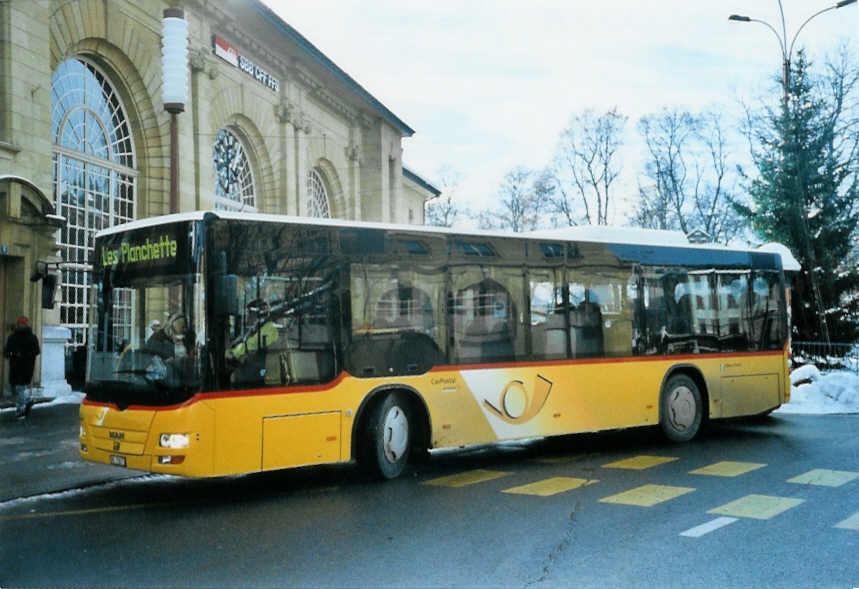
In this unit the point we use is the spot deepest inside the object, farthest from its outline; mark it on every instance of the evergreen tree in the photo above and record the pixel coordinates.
(804, 193)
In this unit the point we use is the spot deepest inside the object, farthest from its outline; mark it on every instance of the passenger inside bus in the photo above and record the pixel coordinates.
(586, 335)
(174, 340)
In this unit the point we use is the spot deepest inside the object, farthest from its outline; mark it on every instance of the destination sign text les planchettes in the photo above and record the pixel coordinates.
(129, 253)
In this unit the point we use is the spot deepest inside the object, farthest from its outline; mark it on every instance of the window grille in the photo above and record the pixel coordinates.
(317, 196)
(234, 180)
(94, 182)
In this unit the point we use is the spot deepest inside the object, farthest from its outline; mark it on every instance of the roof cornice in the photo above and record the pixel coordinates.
(316, 55)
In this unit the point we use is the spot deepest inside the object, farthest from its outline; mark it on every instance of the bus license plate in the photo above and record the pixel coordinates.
(117, 460)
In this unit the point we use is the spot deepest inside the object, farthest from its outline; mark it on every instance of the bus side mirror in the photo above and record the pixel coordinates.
(226, 299)
(49, 289)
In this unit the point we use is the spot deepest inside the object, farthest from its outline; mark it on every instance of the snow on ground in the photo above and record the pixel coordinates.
(64, 399)
(818, 392)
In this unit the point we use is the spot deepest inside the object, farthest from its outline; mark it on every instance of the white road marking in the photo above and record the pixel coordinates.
(698, 531)
(851, 523)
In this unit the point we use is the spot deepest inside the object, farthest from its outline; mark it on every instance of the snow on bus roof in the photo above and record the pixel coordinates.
(600, 234)
(625, 235)
(612, 234)
(788, 262)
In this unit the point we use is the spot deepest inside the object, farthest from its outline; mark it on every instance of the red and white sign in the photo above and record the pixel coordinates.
(231, 55)
(226, 51)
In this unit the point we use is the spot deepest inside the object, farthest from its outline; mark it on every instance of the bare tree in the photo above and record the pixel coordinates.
(579, 181)
(443, 210)
(521, 202)
(687, 183)
(663, 197)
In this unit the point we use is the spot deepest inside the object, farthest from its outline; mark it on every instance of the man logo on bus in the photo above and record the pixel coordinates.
(516, 406)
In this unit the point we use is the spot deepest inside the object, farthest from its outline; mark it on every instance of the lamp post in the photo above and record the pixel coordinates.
(787, 50)
(174, 69)
(786, 55)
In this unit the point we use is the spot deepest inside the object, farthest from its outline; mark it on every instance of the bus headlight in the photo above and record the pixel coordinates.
(173, 441)
(83, 431)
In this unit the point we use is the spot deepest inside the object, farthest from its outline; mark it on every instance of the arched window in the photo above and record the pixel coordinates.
(94, 179)
(317, 196)
(234, 180)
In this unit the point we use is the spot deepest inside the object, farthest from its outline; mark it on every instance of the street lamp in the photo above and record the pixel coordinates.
(174, 70)
(786, 54)
(787, 50)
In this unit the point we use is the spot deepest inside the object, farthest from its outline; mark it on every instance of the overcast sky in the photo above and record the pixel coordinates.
(490, 85)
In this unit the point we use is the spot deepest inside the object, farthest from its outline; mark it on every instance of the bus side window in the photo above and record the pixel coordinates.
(734, 311)
(586, 335)
(484, 320)
(602, 312)
(394, 329)
(766, 311)
(548, 317)
(285, 330)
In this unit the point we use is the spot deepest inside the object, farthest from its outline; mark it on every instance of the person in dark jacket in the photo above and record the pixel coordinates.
(22, 347)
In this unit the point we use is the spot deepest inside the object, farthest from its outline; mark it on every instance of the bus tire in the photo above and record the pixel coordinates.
(681, 408)
(388, 436)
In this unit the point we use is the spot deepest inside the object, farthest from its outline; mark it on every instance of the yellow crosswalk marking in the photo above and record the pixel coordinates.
(551, 486)
(647, 495)
(640, 462)
(851, 523)
(825, 478)
(464, 479)
(757, 506)
(728, 468)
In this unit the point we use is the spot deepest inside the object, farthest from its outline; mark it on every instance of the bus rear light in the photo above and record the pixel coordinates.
(173, 440)
(171, 459)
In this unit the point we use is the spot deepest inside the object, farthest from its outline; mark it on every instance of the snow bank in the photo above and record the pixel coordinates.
(819, 393)
(71, 398)
(804, 374)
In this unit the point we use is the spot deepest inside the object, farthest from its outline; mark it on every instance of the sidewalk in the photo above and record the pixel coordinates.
(40, 455)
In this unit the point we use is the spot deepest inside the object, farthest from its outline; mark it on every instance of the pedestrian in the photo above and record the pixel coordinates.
(22, 347)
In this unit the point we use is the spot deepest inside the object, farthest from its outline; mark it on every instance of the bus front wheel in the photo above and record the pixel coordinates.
(388, 437)
(681, 408)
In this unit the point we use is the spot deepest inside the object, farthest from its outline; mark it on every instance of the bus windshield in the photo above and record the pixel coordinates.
(147, 328)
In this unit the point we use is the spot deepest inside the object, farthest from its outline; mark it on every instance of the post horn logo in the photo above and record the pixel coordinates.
(516, 406)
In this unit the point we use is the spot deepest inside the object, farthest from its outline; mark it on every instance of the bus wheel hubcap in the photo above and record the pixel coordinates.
(681, 408)
(396, 434)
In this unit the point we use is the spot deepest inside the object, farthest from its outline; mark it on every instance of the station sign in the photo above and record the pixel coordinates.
(231, 55)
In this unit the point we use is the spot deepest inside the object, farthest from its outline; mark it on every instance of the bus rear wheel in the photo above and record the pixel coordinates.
(681, 408)
(388, 437)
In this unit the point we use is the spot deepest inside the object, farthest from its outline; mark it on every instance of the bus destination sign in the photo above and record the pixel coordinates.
(130, 253)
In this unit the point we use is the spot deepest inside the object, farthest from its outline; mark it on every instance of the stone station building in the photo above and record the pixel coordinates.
(271, 125)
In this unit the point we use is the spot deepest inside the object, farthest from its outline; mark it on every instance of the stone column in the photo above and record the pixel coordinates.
(301, 167)
(202, 72)
(354, 175)
(285, 114)
(395, 184)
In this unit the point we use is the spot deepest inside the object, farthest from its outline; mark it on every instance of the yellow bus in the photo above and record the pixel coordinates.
(225, 343)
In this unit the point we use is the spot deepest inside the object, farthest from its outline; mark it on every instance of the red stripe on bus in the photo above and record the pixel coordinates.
(441, 368)
(621, 359)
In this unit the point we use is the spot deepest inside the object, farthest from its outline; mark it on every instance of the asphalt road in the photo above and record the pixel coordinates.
(776, 505)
